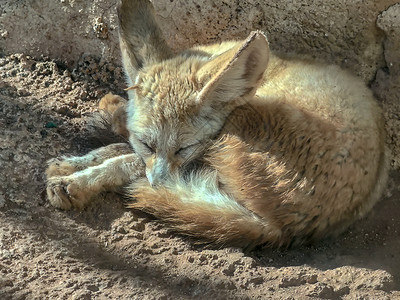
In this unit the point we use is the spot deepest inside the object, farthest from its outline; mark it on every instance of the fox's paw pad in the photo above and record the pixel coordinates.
(58, 167)
(65, 193)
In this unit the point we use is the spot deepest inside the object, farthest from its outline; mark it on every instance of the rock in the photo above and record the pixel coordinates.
(2, 200)
(387, 82)
(389, 22)
(338, 31)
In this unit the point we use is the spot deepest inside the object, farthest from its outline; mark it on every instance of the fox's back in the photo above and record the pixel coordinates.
(326, 90)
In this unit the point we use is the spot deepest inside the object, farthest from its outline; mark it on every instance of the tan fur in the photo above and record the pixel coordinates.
(116, 107)
(235, 144)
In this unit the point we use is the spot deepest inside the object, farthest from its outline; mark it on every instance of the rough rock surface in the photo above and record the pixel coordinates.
(339, 31)
(71, 59)
(387, 82)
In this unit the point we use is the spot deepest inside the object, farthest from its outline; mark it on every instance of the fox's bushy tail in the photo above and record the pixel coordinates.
(197, 207)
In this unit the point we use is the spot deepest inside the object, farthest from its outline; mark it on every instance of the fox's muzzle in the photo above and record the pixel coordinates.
(157, 172)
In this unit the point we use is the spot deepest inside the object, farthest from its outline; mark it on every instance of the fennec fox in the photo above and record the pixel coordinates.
(232, 143)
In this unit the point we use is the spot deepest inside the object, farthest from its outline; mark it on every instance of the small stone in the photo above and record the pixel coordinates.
(50, 125)
(75, 270)
(92, 288)
(229, 271)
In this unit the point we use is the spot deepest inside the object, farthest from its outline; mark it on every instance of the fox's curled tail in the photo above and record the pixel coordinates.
(198, 208)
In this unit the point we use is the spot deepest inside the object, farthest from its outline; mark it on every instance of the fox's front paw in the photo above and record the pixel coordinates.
(65, 193)
(59, 167)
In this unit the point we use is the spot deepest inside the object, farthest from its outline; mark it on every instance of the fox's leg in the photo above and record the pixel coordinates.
(77, 189)
(67, 165)
(115, 106)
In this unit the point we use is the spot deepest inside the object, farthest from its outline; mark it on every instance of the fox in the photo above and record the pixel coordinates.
(231, 143)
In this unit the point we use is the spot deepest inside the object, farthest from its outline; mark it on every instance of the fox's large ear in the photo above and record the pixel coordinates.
(140, 37)
(236, 72)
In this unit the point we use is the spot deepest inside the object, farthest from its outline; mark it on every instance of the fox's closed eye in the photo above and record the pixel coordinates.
(149, 148)
(184, 151)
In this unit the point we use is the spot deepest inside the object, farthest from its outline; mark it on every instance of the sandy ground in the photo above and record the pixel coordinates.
(109, 252)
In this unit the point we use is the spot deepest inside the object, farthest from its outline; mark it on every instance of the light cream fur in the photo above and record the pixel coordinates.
(233, 143)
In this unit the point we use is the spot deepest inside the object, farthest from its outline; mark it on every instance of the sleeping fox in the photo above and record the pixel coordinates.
(231, 143)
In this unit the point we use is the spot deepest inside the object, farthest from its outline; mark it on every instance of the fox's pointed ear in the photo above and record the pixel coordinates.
(140, 37)
(236, 72)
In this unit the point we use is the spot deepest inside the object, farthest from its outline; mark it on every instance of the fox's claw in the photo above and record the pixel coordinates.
(64, 193)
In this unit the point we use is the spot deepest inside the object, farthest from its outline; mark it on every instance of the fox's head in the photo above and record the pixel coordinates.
(178, 104)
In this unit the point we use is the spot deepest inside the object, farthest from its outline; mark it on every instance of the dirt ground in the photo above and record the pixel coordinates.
(110, 252)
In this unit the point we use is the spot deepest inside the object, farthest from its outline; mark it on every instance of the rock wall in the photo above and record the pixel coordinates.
(387, 82)
(361, 35)
(63, 30)
(338, 31)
